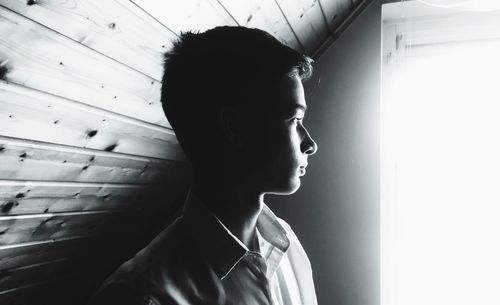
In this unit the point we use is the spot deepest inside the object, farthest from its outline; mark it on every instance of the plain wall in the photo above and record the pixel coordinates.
(336, 212)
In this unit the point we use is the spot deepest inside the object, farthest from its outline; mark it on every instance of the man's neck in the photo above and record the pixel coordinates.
(237, 209)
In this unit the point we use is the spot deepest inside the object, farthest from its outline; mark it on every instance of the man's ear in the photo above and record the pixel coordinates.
(230, 123)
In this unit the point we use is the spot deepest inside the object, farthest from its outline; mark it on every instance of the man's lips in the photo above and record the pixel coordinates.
(302, 169)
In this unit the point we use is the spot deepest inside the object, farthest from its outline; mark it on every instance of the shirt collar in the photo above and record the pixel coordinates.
(218, 245)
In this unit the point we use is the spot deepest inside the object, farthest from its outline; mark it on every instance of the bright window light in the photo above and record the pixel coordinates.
(477, 5)
(440, 156)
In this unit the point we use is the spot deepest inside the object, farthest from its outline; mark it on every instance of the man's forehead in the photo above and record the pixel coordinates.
(288, 95)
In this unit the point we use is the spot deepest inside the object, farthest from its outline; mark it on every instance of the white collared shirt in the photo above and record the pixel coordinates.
(197, 260)
(288, 270)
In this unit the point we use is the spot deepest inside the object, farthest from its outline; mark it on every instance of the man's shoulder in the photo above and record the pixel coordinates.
(132, 282)
(168, 252)
(160, 270)
(123, 293)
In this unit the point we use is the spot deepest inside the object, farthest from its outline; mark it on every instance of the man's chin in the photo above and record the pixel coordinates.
(288, 188)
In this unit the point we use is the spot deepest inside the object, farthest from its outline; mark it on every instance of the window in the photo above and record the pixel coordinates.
(440, 156)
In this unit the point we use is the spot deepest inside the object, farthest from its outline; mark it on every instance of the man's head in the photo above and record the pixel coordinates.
(230, 94)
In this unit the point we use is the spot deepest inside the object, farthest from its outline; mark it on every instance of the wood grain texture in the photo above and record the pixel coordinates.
(117, 29)
(35, 197)
(37, 57)
(187, 15)
(37, 227)
(37, 252)
(72, 288)
(35, 160)
(107, 247)
(24, 269)
(100, 254)
(336, 11)
(20, 276)
(34, 115)
(306, 19)
(89, 260)
(264, 15)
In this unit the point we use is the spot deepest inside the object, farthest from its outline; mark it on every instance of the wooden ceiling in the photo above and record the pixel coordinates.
(304, 25)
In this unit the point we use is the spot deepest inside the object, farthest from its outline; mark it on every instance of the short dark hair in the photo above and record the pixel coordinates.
(221, 67)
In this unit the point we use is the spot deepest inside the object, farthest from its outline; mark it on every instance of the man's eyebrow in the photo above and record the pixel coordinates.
(292, 109)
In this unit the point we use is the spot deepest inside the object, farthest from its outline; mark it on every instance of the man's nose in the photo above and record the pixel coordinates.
(308, 145)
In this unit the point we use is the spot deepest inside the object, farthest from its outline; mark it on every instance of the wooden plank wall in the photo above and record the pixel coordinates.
(86, 154)
(90, 168)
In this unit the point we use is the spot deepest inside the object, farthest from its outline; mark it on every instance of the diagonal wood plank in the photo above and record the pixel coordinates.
(336, 11)
(264, 15)
(38, 252)
(187, 15)
(307, 21)
(35, 197)
(37, 57)
(20, 276)
(37, 227)
(116, 28)
(35, 115)
(34, 160)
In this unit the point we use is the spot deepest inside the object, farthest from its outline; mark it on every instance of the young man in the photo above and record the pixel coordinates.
(234, 97)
